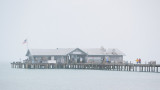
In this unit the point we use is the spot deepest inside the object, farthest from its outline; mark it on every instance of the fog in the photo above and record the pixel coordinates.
(132, 26)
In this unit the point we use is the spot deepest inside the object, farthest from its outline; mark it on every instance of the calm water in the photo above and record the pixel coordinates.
(60, 79)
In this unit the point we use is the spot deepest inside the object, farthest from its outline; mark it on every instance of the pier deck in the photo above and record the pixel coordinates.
(113, 67)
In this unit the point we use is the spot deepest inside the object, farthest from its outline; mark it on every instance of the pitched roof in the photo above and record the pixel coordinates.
(58, 51)
(65, 51)
(94, 51)
(114, 51)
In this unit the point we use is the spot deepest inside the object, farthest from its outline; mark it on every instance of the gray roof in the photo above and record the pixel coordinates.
(94, 51)
(65, 51)
(59, 51)
(114, 51)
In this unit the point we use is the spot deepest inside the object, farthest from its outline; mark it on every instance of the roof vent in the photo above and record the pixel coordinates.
(103, 49)
(114, 52)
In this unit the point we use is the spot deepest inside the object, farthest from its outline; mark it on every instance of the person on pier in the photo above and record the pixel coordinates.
(137, 60)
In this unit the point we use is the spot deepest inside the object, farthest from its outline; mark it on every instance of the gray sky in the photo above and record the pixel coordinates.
(133, 26)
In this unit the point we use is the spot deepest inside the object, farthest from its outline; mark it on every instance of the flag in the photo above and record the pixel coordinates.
(25, 41)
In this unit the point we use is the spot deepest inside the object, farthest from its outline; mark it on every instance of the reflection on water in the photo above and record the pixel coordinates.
(65, 79)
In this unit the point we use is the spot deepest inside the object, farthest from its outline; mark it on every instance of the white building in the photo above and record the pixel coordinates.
(74, 55)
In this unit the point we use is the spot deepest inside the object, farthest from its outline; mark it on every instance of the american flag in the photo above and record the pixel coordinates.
(25, 41)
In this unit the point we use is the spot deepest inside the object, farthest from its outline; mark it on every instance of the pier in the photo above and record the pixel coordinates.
(109, 67)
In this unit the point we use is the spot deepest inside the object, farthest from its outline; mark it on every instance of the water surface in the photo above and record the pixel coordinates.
(70, 79)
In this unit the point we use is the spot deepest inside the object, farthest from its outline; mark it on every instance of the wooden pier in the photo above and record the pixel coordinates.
(110, 67)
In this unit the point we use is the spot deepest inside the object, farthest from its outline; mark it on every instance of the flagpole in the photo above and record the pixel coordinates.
(27, 45)
(26, 42)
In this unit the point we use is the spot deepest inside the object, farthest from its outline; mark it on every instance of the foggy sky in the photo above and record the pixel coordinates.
(132, 26)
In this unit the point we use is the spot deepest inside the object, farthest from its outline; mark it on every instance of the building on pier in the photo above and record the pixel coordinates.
(74, 55)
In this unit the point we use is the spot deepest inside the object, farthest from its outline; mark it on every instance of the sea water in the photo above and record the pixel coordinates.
(72, 79)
